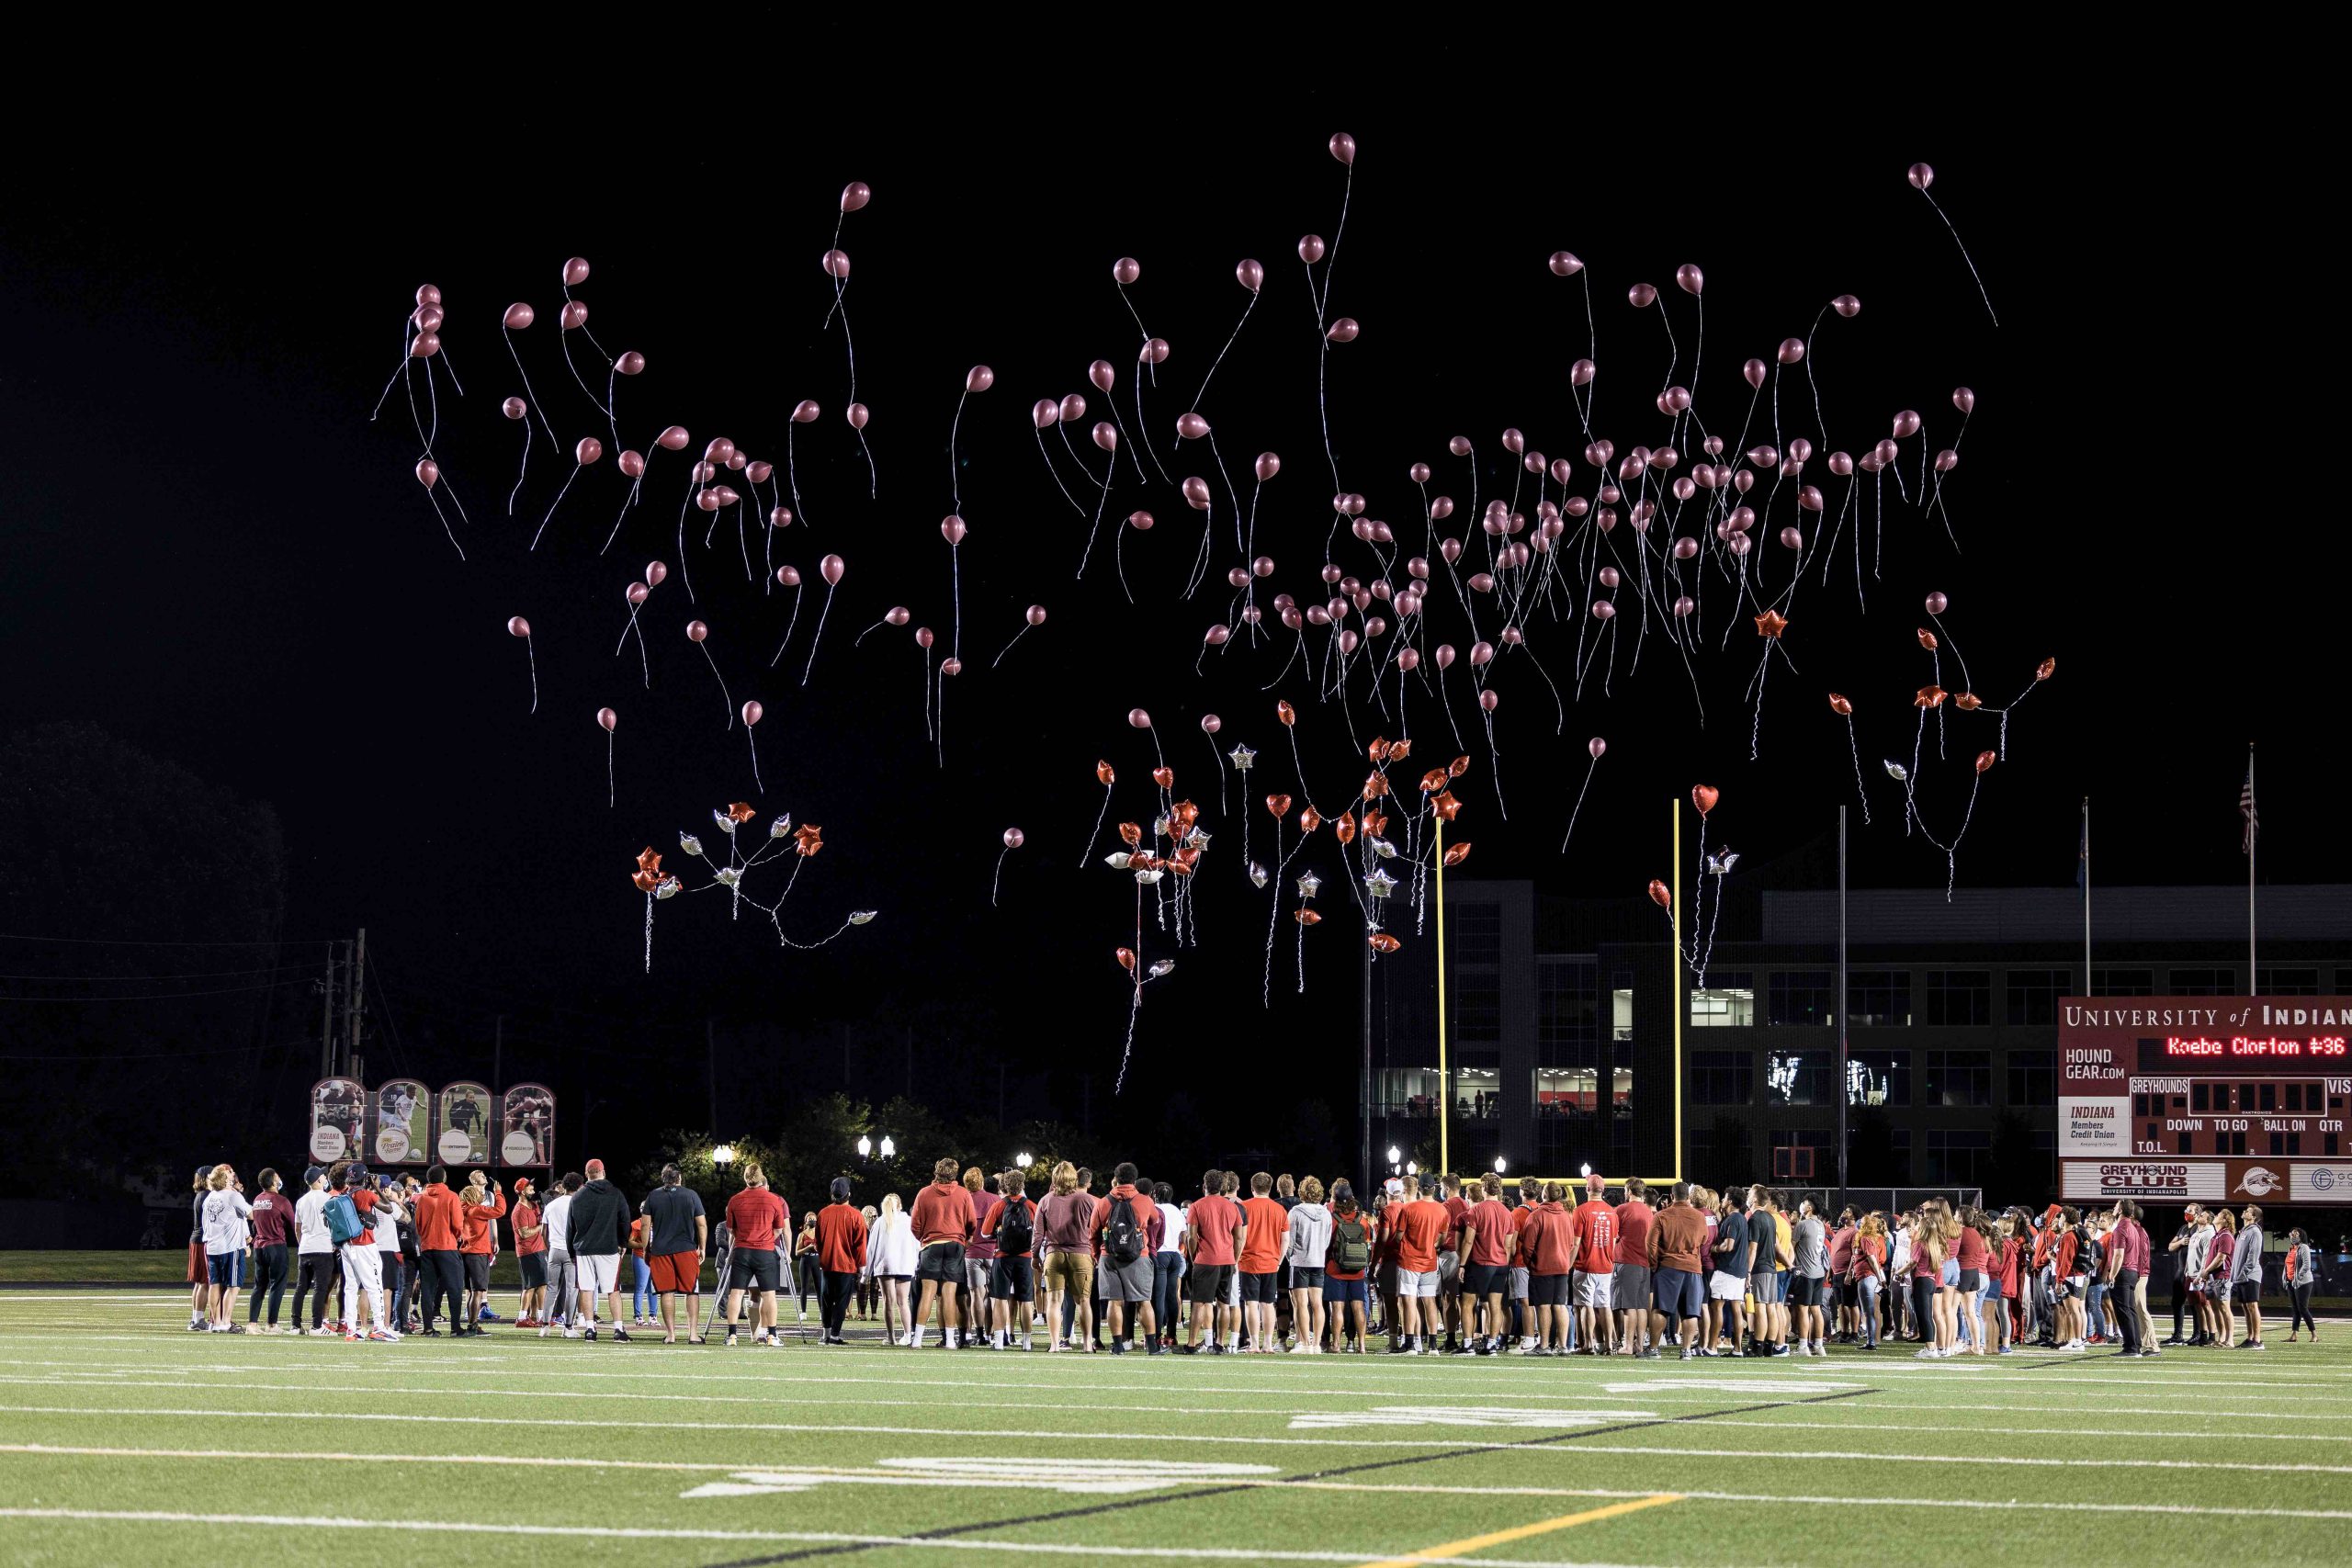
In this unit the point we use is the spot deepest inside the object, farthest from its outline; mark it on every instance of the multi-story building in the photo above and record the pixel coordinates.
(1562, 1043)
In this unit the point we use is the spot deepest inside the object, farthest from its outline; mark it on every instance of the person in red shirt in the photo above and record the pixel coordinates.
(1450, 1258)
(1261, 1261)
(530, 1253)
(1530, 1198)
(1487, 1236)
(1013, 1281)
(942, 1222)
(979, 1260)
(440, 1225)
(480, 1206)
(1548, 1244)
(841, 1254)
(1215, 1233)
(1596, 1225)
(1638, 1327)
(1126, 1226)
(1420, 1224)
(754, 1218)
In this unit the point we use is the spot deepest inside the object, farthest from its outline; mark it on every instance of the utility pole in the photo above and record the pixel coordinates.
(498, 1056)
(710, 1055)
(1844, 1095)
(354, 1065)
(1363, 1079)
(326, 1017)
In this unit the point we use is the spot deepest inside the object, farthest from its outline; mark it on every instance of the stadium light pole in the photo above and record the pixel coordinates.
(1844, 1093)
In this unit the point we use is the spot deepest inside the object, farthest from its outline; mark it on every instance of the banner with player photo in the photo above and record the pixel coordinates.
(400, 1116)
(527, 1122)
(338, 1116)
(462, 1123)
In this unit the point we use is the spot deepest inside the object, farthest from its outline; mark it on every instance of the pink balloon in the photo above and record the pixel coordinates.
(858, 415)
(1106, 435)
(788, 576)
(1937, 603)
(1921, 176)
(428, 472)
(1610, 577)
(427, 295)
(1791, 350)
(575, 272)
(637, 593)
(1809, 498)
(1154, 351)
(1344, 329)
(514, 408)
(574, 316)
(1907, 424)
(1641, 296)
(1841, 463)
(1191, 426)
(1262, 567)
(1102, 375)
(1418, 473)
(655, 574)
(1140, 521)
(1138, 719)
(1249, 273)
(1947, 460)
(923, 637)
(805, 412)
(1793, 537)
(1012, 839)
(423, 346)
(519, 315)
(1310, 249)
(897, 616)
(753, 712)
(1348, 641)
(1685, 548)
(517, 626)
(1344, 148)
(1884, 452)
(1216, 635)
(708, 499)
(1846, 306)
(1036, 614)
(608, 718)
(1127, 269)
(951, 529)
(1268, 465)
(673, 439)
(630, 364)
(1739, 543)
(832, 566)
(1582, 372)
(1445, 656)
(697, 631)
(780, 518)
(836, 264)
(632, 464)
(1683, 605)
(1044, 412)
(1566, 263)
(1964, 400)
(718, 449)
(979, 379)
(1481, 655)
(1072, 409)
(1689, 278)
(1513, 441)
(1196, 492)
(1490, 700)
(1408, 658)
(1595, 746)
(588, 451)
(855, 195)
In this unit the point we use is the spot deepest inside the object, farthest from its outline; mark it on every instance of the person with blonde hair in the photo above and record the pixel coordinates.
(1065, 1235)
(1305, 1242)
(1869, 1269)
(226, 1220)
(890, 1259)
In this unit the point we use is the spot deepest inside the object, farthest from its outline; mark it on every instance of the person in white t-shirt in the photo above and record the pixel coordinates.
(1168, 1264)
(563, 1276)
(314, 1251)
(228, 1226)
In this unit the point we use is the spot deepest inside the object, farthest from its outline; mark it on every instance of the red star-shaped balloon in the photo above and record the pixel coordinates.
(1771, 624)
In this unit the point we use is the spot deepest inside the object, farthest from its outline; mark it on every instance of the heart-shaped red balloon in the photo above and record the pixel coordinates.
(1705, 797)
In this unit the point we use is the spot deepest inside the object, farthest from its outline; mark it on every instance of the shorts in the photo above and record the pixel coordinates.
(2246, 1292)
(1013, 1280)
(1592, 1290)
(1387, 1278)
(1678, 1293)
(1302, 1277)
(1486, 1278)
(534, 1269)
(200, 1263)
(1072, 1272)
(1337, 1290)
(1547, 1291)
(477, 1266)
(675, 1273)
(1723, 1287)
(1951, 1274)
(1259, 1288)
(942, 1261)
(1448, 1270)
(1970, 1281)
(1631, 1284)
(2078, 1285)
(1519, 1284)
(2218, 1290)
(1769, 1286)
(600, 1273)
(1206, 1284)
(1411, 1282)
(1805, 1291)
(1126, 1281)
(225, 1269)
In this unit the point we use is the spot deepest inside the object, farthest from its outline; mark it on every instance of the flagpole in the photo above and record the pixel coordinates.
(2087, 896)
(2251, 834)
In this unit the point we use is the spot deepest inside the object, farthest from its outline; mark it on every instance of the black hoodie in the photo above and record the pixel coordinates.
(598, 1221)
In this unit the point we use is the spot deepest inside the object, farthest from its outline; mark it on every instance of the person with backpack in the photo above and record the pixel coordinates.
(2297, 1270)
(841, 1254)
(440, 1226)
(1124, 1244)
(1347, 1260)
(352, 1200)
(1012, 1226)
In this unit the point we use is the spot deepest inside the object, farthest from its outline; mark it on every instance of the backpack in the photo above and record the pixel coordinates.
(343, 1220)
(1351, 1251)
(1015, 1231)
(1121, 1238)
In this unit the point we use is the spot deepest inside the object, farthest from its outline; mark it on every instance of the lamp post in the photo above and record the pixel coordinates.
(865, 1147)
(1395, 1159)
(1021, 1163)
(1499, 1165)
(722, 1156)
(889, 1149)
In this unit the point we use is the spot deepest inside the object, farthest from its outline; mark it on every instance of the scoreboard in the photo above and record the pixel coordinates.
(2217, 1100)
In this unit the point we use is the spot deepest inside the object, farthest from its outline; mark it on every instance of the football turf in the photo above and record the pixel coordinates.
(124, 1437)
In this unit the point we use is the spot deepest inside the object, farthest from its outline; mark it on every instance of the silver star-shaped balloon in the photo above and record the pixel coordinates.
(1721, 863)
(1197, 838)
(1382, 847)
(1242, 757)
(860, 916)
(669, 888)
(1159, 827)
(1116, 859)
(781, 826)
(1896, 771)
(689, 843)
(727, 876)
(1160, 967)
(726, 823)
(1256, 875)
(1381, 883)
(1309, 885)
(1149, 879)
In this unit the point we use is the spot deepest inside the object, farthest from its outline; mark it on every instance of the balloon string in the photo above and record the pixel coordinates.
(817, 637)
(552, 505)
(436, 504)
(788, 630)
(1199, 396)
(751, 736)
(612, 795)
(524, 471)
(999, 876)
(928, 732)
(792, 473)
(1049, 459)
(685, 568)
(531, 655)
(1273, 909)
(1592, 768)
(742, 545)
(1139, 423)
(649, 933)
(532, 395)
(612, 421)
(565, 339)
(1008, 646)
(408, 329)
(1098, 818)
(955, 470)
(1218, 758)
(723, 696)
(1963, 255)
(942, 711)
(1861, 792)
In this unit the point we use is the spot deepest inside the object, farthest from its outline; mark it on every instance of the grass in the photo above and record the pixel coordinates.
(511, 1449)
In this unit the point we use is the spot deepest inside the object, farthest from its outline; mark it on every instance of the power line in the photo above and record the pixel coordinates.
(143, 942)
(135, 1055)
(189, 974)
(164, 995)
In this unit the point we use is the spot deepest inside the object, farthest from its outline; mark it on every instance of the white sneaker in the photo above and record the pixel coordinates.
(572, 1334)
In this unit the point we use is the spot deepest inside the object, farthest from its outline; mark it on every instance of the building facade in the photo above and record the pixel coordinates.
(1561, 1040)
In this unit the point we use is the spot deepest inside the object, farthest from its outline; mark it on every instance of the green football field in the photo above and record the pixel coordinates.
(125, 1438)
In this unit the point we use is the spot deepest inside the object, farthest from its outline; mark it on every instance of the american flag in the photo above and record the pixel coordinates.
(2246, 806)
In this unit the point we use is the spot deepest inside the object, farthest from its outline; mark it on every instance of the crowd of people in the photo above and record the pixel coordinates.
(1466, 1267)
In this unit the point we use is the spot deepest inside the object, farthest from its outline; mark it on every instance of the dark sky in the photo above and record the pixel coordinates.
(215, 553)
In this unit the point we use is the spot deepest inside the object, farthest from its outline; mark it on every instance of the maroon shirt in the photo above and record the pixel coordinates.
(273, 1220)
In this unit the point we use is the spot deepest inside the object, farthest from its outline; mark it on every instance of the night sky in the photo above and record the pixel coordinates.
(214, 553)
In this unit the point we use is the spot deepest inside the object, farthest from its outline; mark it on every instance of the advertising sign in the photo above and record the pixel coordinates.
(462, 1123)
(399, 1123)
(338, 1114)
(526, 1124)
